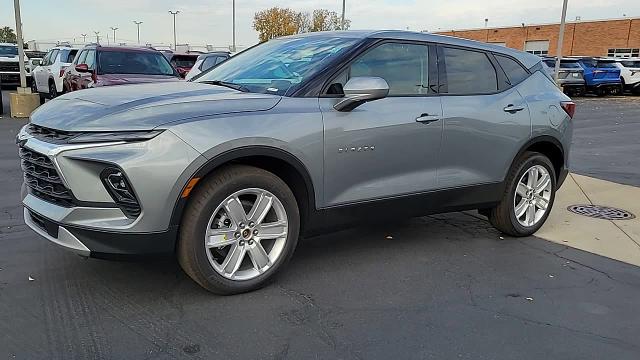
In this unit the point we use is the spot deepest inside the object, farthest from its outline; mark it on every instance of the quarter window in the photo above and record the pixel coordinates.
(82, 57)
(469, 72)
(515, 72)
(90, 60)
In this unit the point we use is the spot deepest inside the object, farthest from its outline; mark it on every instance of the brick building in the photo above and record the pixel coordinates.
(616, 37)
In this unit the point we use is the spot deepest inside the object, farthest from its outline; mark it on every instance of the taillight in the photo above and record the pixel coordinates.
(569, 107)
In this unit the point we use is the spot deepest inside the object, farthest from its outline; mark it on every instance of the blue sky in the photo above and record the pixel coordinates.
(209, 21)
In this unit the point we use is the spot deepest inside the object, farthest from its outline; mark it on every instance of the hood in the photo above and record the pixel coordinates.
(124, 79)
(145, 106)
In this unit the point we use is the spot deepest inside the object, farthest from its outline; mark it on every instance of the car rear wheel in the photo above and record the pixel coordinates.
(240, 227)
(53, 91)
(528, 197)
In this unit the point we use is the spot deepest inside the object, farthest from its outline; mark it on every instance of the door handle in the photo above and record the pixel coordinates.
(427, 119)
(513, 109)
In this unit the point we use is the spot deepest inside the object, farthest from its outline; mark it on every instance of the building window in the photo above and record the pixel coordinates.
(623, 53)
(537, 47)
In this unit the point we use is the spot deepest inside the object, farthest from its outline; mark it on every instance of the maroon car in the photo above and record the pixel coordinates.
(182, 62)
(97, 65)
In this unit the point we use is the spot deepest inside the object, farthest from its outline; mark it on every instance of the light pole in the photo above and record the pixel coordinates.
(175, 42)
(114, 33)
(233, 45)
(97, 36)
(23, 74)
(343, 11)
(84, 38)
(138, 25)
(560, 39)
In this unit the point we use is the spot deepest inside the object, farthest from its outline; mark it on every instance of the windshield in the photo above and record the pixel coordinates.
(570, 65)
(133, 62)
(607, 65)
(631, 64)
(8, 50)
(278, 65)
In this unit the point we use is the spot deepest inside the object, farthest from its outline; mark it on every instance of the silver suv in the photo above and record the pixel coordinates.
(292, 137)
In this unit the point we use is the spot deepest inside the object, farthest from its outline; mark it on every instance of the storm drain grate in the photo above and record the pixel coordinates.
(601, 212)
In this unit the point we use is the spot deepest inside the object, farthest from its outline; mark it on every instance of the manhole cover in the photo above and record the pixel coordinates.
(601, 212)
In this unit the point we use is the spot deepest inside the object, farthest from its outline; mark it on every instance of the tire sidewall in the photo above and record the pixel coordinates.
(193, 238)
(536, 159)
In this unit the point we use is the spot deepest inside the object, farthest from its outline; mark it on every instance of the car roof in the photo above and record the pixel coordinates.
(525, 58)
(120, 48)
(213, 53)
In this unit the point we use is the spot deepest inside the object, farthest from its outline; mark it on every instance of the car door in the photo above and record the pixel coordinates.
(486, 120)
(381, 149)
(73, 75)
(40, 74)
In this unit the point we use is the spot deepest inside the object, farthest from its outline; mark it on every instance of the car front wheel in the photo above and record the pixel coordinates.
(528, 197)
(240, 227)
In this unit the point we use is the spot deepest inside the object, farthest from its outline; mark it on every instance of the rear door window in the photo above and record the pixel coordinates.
(82, 57)
(54, 55)
(469, 72)
(515, 72)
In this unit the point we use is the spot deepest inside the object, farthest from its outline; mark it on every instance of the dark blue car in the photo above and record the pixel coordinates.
(602, 76)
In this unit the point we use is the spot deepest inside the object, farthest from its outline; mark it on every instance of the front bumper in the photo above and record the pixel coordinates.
(93, 224)
(12, 78)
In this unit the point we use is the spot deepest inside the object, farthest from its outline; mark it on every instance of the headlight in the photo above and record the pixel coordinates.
(129, 136)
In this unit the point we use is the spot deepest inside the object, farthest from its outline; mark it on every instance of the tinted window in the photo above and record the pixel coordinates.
(606, 65)
(208, 63)
(469, 72)
(54, 55)
(570, 65)
(82, 57)
(631, 64)
(8, 50)
(69, 56)
(183, 61)
(221, 59)
(403, 66)
(515, 72)
(133, 62)
(90, 60)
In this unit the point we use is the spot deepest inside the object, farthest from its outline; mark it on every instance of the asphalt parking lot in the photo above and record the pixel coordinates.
(438, 287)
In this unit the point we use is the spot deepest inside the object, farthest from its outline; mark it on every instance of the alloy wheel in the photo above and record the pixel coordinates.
(246, 234)
(532, 196)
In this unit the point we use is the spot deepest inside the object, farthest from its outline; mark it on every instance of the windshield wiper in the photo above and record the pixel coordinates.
(228, 84)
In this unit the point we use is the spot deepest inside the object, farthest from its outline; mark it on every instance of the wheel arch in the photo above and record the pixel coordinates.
(277, 161)
(548, 146)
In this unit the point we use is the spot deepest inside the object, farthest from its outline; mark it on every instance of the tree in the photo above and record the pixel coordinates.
(325, 20)
(275, 22)
(7, 35)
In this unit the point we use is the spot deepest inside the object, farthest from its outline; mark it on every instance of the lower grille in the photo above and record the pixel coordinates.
(42, 178)
(44, 224)
(9, 66)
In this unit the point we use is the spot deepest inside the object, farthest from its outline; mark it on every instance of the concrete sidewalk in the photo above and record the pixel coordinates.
(619, 240)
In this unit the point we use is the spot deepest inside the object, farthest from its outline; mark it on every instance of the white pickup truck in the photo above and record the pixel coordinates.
(10, 65)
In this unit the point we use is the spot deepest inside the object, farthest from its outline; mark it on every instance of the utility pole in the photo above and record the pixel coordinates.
(138, 25)
(84, 38)
(560, 40)
(97, 36)
(343, 11)
(486, 23)
(23, 74)
(175, 41)
(114, 33)
(233, 46)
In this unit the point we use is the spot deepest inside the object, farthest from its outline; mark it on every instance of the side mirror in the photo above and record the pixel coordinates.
(359, 90)
(82, 68)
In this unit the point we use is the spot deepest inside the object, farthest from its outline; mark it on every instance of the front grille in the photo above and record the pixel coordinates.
(49, 135)
(9, 66)
(42, 178)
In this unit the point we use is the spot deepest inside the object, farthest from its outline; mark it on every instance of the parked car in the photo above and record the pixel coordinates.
(10, 65)
(206, 62)
(570, 75)
(629, 73)
(229, 170)
(97, 66)
(182, 62)
(48, 77)
(601, 76)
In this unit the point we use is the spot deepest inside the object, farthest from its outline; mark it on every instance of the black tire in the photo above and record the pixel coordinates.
(213, 190)
(53, 90)
(503, 217)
